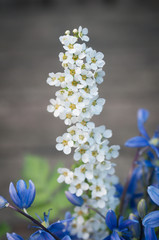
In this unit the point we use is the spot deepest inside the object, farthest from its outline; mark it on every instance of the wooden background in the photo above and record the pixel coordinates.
(127, 32)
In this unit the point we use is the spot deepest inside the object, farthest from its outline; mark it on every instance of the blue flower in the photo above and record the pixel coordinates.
(23, 197)
(14, 236)
(59, 228)
(77, 201)
(119, 228)
(152, 219)
(3, 202)
(144, 140)
(42, 235)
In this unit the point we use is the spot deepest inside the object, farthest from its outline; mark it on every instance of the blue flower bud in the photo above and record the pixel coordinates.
(13, 236)
(3, 202)
(77, 201)
(23, 197)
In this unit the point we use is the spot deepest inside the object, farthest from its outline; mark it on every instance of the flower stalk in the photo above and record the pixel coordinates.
(32, 219)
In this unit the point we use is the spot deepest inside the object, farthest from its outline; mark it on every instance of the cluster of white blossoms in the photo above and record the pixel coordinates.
(93, 176)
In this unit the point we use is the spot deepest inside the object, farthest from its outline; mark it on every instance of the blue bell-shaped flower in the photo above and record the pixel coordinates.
(23, 197)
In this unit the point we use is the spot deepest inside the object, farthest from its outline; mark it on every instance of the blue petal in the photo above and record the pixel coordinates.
(115, 236)
(13, 194)
(154, 194)
(150, 155)
(107, 238)
(31, 194)
(66, 238)
(3, 202)
(150, 234)
(147, 163)
(67, 217)
(13, 236)
(125, 223)
(77, 201)
(22, 192)
(142, 117)
(137, 142)
(111, 220)
(58, 229)
(151, 220)
(156, 149)
(156, 134)
(41, 235)
(119, 190)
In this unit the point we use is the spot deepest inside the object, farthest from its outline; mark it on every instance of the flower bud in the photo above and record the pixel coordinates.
(77, 201)
(3, 202)
(67, 32)
(75, 31)
(135, 228)
(141, 208)
(22, 196)
(13, 236)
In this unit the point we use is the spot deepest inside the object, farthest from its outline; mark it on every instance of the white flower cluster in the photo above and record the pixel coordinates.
(76, 102)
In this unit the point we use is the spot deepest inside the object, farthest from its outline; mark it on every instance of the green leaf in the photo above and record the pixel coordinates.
(4, 227)
(49, 193)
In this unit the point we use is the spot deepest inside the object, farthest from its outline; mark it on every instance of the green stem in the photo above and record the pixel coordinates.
(95, 210)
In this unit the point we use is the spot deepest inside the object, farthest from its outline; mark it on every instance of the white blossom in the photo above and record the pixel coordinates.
(82, 33)
(64, 143)
(77, 101)
(65, 175)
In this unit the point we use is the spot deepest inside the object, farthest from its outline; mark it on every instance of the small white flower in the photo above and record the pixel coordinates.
(67, 39)
(65, 175)
(84, 171)
(113, 152)
(80, 211)
(69, 44)
(86, 78)
(85, 126)
(103, 166)
(94, 58)
(56, 107)
(96, 154)
(78, 188)
(82, 153)
(72, 131)
(82, 33)
(57, 79)
(75, 225)
(64, 143)
(97, 105)
(98, 75)
(81, 137)
(67, 116)
(98, 190)
(66, 58)
(89, 91)
(100, 135)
